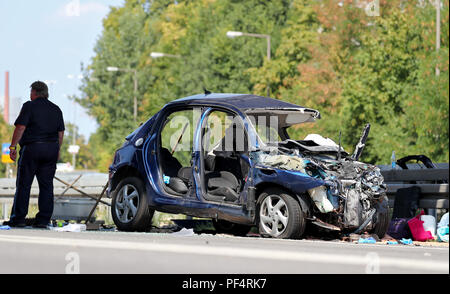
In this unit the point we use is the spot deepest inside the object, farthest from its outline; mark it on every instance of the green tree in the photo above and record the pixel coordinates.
(388, 80)
(328, 55)
(85, 159)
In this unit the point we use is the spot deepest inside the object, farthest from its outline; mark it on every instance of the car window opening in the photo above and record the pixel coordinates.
(224, 141)
(175, 151)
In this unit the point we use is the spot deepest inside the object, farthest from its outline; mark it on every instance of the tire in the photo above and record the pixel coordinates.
(270, 223)
(226, 227)
(132, 214)
(382, 218)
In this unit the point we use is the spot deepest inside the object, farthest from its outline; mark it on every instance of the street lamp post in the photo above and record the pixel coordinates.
(134, 71)
(233, 34)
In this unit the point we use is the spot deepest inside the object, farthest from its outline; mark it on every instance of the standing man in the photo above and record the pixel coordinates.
(39, 132)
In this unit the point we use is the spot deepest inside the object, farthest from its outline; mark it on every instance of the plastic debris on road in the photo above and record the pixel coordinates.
(406, 241)
(76, 228)
(429, 224)
(369, 240)
(392, 243)
(444, 221)
(442, 231)
(5, 227)
(442, 234)
(184, 232)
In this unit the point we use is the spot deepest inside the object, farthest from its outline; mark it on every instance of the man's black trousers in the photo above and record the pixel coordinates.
(36, 159)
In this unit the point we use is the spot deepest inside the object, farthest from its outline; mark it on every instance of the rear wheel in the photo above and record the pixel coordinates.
(225, 227)
(279, 215)
(129, 206)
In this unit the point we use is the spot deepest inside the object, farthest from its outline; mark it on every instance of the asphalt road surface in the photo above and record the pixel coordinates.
(43, 251)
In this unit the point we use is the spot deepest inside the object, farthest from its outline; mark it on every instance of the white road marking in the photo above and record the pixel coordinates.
(289, 255)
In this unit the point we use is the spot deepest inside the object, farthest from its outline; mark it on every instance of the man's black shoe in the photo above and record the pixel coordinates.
(40, 226)
(14, 224)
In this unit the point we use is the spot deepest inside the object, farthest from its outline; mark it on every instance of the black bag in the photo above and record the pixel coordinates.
(398, 229)
(406, 202)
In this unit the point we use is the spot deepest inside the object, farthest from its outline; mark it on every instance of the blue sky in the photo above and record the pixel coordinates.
(48, 40)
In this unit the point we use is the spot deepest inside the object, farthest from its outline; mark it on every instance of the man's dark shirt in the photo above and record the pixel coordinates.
(43, 120)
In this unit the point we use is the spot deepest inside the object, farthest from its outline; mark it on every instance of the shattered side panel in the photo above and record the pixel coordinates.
(282, 169)
(292, 180)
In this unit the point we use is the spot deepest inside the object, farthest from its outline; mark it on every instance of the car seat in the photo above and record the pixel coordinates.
(222, 183)
(223, 168)
(172, 168)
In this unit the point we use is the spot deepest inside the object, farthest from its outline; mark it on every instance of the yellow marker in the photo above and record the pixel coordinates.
(6, 159)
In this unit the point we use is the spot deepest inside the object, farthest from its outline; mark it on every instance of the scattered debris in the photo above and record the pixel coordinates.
(184, 232)
(204, 226)
(388, 238)
(369, 240)
(92, 226)
(429, 224)
(375, 236)
(442, 231)
(76, 228)
(406, 241)
(354, 237)
(324, 225)
(5, 227)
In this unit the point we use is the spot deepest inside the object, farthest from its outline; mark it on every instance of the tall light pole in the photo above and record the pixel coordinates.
(233, 34)
(134, 71)
(74, 127)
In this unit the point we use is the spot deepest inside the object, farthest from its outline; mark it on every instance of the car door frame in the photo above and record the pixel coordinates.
(227, 211)
(159, 198)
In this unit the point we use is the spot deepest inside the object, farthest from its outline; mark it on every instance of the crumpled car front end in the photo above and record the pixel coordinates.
(346, 195)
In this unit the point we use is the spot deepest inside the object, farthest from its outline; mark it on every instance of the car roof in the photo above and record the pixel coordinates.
(243, 102)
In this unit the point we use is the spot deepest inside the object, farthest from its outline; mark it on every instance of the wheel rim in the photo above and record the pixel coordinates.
(127, 203)
(274, 215)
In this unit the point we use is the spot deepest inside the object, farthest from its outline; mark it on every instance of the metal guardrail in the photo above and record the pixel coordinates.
(432, 182)
(76, 196)
(75, 189)
(90, 183)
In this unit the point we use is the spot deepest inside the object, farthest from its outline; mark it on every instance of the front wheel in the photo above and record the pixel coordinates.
(382, 218)
(279, 215)
(129, 206)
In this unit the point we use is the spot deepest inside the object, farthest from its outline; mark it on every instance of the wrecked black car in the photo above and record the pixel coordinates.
(229, 157)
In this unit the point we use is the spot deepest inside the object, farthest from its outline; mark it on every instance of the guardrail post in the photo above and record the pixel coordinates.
(5, 211)
(433, 212)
